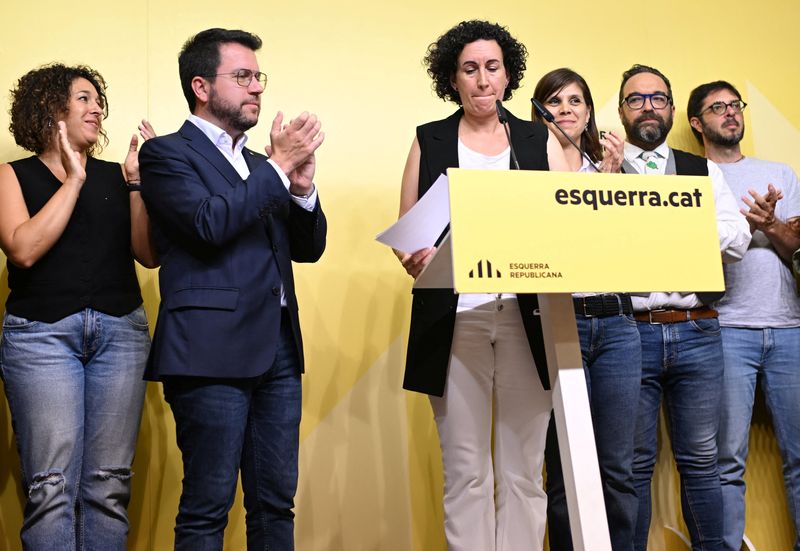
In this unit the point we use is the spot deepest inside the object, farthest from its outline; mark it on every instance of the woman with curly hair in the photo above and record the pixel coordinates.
(75, 337)
(474, 354)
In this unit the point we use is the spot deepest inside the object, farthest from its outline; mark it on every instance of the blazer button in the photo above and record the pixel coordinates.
(276, 291)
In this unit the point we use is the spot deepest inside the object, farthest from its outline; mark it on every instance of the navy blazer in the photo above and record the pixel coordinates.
(226, 246)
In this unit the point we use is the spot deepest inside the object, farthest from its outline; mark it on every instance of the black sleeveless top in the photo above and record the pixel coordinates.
(91, 265)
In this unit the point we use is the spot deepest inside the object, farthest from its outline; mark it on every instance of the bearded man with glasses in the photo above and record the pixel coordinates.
(228, 223)
(760, 312)
(681, 344)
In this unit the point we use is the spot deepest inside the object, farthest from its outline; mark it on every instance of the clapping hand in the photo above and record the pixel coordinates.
(70, 159)
(613, 152)
(292, 148)
(761, 215)
(131, 163)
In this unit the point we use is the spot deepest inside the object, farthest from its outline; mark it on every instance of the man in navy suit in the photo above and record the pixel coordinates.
(228, 223)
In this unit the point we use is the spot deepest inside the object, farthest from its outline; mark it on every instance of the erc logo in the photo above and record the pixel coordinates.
(484, 270)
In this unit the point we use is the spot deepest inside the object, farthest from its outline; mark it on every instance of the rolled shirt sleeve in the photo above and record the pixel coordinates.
(732, 226)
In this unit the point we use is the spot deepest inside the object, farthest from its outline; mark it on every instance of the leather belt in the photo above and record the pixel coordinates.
(675, 316)
(599, 306)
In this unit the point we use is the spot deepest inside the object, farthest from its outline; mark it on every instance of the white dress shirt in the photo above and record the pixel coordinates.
(233, 153)
(732, 227)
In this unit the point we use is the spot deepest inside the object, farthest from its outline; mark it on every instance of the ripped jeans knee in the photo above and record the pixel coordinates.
(53, 477)
(108, 489)
(117, 473)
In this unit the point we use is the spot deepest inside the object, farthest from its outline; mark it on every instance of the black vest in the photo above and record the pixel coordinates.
(91, 265)
(433, 311)
(687, 164)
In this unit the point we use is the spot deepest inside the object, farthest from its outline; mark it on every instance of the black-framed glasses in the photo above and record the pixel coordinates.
(720, 107)
(637, 101)
(244, 77)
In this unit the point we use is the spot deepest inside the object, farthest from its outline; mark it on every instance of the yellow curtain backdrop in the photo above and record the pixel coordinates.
(370, 464)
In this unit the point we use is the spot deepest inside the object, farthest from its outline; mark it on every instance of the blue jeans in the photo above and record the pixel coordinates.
(612, 362)
(224, 425)
(683, 363)
(775, 355)
(75, 390)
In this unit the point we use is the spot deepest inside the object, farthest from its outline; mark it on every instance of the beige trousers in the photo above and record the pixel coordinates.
(493, 501)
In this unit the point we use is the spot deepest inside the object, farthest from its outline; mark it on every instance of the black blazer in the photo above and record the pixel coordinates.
(226, 247)
(433, 311)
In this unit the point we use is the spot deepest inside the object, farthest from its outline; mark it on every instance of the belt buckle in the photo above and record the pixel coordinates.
(650, 315)
(584, 313)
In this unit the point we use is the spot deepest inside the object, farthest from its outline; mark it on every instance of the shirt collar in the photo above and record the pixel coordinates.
(218, 136)
(632, 152)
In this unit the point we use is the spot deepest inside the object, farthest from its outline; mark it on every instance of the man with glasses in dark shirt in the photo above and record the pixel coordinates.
(760, 312)
(681, 344)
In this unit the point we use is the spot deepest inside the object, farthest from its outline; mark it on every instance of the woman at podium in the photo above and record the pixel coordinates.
(610, 343)
(474, 354)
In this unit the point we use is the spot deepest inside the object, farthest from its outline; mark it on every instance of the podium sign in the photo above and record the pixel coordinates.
(557, 232)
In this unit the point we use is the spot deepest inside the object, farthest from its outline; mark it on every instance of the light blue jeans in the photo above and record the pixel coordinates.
(75, 390)
(682, 365)
(773, 354)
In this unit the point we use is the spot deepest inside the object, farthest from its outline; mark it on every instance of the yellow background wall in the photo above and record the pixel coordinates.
(370, 465)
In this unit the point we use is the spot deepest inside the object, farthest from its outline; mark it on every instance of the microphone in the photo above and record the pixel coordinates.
(502, 116)
(548, 116)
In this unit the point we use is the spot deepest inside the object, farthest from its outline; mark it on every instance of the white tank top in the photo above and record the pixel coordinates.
(467, 158)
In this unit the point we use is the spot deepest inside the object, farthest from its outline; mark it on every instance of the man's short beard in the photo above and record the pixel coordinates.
(229, 113)
(652, 134)
(649, 135)
(723, 140)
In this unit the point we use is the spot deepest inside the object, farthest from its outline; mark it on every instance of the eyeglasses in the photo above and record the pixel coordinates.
(244, 77)
(720, 107)
(637, 101)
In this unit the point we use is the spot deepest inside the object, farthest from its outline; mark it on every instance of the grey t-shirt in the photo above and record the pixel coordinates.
(760, 289)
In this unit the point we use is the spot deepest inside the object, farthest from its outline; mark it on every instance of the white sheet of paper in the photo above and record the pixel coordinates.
(423, 223)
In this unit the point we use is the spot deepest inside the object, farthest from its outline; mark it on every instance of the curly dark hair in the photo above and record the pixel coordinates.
(555, 81)
(41, 96)
(442, 56)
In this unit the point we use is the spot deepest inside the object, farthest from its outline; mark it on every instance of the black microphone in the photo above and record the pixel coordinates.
(548, 116)
(503, 117)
